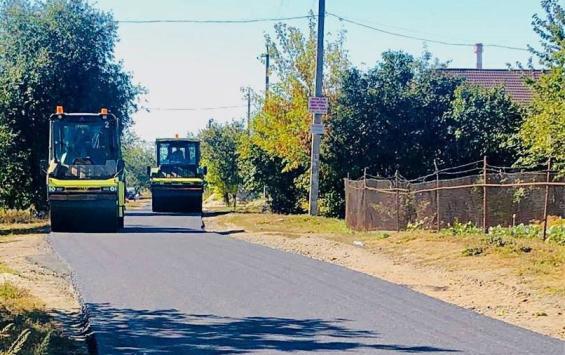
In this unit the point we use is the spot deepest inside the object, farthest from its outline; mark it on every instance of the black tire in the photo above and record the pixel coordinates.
(121, 222)
(57, 223)
(198, 205)
(155, 206)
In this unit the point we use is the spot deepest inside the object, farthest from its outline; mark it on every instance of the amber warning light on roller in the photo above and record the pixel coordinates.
(59, 110)
(103, 111)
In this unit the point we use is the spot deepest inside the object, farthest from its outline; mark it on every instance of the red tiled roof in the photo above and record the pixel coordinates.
(511, 80)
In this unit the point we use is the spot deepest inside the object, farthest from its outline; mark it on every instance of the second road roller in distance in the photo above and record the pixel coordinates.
(85, 175)
(177, 183)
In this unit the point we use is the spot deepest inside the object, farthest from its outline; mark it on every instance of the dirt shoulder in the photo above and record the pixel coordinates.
(519, 282)
(37, 295)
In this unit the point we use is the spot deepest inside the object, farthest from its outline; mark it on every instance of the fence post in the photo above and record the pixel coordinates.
(485, 205)
(396, 179)
(547, 180)
(437, 196)
(365, 204)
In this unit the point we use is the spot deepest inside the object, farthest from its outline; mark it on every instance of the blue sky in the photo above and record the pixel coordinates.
(205, 65)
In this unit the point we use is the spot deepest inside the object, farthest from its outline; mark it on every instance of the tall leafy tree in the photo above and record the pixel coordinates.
(482, 121)
(262, 172)
(281, 129)
(219, 146)
(402, 115)
(543, 132)
(551, 31)
(53, 52)
(138, 155)
(390, 117)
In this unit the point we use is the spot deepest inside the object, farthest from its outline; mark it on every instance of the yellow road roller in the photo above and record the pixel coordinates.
(177, 183)
(85, 173)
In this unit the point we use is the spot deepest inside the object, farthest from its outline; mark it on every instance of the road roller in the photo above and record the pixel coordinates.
(85, 173)
(177, 183)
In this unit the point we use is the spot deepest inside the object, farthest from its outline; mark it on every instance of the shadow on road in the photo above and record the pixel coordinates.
(174, 230)
(169, 331)
(141, 213)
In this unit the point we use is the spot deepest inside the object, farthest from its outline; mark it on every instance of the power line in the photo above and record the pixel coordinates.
(253, 20)
(339, 17)
(461, 44)
(194, 108)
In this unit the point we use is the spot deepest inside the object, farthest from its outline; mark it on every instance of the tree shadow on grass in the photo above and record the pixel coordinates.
(169, 331)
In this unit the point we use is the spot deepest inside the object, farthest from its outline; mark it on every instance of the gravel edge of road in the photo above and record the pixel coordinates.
(85, 328)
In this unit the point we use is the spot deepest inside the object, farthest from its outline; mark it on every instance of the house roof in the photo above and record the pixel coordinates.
(513, 81)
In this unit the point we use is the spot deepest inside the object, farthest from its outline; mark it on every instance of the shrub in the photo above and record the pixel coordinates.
(459, 228)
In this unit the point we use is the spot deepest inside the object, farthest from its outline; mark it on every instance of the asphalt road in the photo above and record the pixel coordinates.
(165, 286)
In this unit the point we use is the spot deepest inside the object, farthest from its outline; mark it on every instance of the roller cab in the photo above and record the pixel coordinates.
(177, 183)
(85, 177)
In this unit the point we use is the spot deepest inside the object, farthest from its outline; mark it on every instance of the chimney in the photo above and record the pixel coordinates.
(479, 52)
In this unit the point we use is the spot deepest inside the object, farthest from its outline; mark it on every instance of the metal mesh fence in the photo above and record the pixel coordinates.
(506, 197)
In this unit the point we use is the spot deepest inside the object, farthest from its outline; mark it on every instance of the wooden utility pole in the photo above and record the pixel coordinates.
(317, 137)
(249, 110)
(485, 202)
(547, 180)
(438, 221)
(397, 187)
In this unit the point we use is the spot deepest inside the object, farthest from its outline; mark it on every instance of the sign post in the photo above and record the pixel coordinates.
(319, 106)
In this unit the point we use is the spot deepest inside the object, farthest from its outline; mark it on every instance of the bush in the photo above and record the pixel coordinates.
(459, 228)
(519, 231)
(556, 234)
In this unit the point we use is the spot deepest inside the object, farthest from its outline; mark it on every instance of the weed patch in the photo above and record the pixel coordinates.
(461, 229)
(473, 251)
(25, 328)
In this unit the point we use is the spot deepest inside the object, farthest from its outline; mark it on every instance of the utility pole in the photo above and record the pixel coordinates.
(316, 136)
(267, 64)
(248, 110)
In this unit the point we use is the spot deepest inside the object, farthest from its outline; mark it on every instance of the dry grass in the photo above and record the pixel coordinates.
(21, 222)
(16, 216)
(5, 269)
(25, 327)
(136, 204)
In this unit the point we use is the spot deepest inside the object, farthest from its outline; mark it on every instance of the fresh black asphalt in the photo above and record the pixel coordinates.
(164, 285)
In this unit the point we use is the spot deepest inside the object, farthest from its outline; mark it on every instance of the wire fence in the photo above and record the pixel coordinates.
(482, 194)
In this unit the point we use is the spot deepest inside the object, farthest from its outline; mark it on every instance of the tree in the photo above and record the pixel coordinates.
(219, 147)
(483, 121)
(403, 115)
(263, 172)
(53, 52)
(138, 155)
(551, 31)
(281, 129)
(543, 132)
(390, 117)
